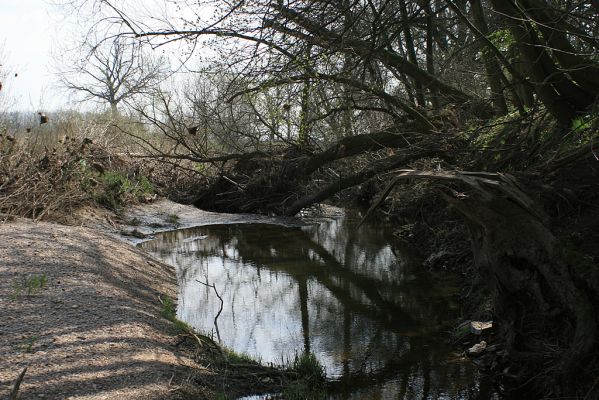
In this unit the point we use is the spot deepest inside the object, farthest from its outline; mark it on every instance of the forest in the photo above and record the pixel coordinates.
(469, 125)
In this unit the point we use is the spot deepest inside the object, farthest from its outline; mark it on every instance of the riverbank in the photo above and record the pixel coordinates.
(84, 312)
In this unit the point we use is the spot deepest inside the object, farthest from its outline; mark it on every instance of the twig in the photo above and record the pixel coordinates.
(221, 305)
(15, 390)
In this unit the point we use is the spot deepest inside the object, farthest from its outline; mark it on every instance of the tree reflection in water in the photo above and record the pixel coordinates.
(352, 297)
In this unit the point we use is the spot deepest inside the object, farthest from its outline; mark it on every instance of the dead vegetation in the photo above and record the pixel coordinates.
(47, 175)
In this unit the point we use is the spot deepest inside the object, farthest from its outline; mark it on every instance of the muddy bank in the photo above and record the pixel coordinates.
(138, 223)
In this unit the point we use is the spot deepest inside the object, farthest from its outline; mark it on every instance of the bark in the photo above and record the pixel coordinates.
(430, 49)
(523, 92)
(323, 37)
(346, 182)
(354, 145)
(267, 183)
(516, 73)
(411, 50)
(114, 111)
(304, 126)
(555, 90)
(348, 64)
(492, 67)
(584, 71)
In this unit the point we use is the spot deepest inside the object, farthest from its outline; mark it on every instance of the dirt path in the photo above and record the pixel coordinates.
(94, 330)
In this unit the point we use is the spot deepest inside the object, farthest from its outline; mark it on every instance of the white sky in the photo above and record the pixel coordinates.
(29, 32)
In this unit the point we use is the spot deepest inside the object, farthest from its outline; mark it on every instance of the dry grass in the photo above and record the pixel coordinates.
(53, 170)
(80, 160)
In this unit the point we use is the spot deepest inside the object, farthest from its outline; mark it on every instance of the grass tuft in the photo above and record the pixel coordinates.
(27, 347)
(311, 379)
(30, 285)
(172, 219)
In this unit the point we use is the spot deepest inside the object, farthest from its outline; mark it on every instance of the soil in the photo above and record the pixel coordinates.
(94, 330)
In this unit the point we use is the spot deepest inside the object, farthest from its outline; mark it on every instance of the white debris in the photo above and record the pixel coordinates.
(478, 348)
(477, 327)
(194, 238)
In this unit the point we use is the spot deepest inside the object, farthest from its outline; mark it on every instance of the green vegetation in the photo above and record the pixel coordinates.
(172, 219)
(234, 357)
(30, 285)
(305, 377)
(311, 379)
(308, 367)
(492, 103)
(169, 311)
(502, 39)
(115, 189)
(47, 175)
(27, 346)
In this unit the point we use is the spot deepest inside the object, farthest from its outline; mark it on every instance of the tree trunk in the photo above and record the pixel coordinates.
(554, 89)
(491, 65)
(584, 71)
(430, 49)
(304, 124)
(114, 111)
(410, 49)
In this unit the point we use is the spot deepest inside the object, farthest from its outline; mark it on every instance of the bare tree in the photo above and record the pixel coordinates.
(113, 72)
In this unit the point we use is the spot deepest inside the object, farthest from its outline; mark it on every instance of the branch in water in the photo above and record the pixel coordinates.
(221, 305)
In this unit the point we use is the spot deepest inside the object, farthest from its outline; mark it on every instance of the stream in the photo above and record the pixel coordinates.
(355, 298)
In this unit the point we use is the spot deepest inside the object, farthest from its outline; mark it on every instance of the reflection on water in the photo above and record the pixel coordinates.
(351, 297)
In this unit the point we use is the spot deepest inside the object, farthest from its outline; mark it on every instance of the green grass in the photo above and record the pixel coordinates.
(308, 367)
(169, 311)
(27, 346)
(30, 285)
(311, 379)
(172, 219)
(233, 357)
(114, 189)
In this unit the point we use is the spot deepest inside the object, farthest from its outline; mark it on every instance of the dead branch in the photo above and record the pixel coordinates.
(15, 390)
(221, 305)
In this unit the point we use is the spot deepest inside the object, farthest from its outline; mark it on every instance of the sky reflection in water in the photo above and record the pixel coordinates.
(352, 297)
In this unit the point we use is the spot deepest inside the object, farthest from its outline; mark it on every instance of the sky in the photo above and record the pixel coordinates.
(32, 31)
(29, 34)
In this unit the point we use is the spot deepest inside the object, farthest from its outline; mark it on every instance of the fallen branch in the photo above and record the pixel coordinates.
(375, 169)
(15, 390)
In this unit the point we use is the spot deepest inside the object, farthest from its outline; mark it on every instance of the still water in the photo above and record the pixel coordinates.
(356, 299)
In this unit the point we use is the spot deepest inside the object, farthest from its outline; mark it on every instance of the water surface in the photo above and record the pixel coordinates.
(354, 297)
